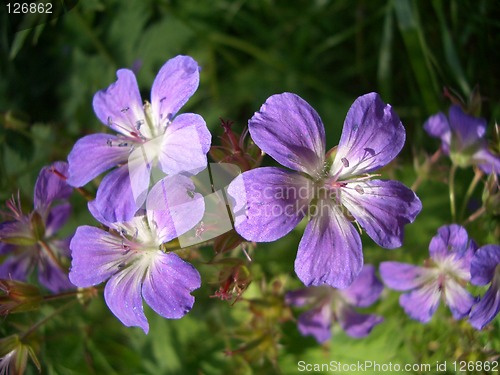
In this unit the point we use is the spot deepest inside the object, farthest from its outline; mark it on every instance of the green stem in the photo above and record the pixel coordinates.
(477, 177)
(475, 215)
(55, 297)
(451, 182)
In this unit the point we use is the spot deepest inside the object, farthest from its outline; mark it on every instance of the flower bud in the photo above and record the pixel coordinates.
(17, 296)
(234, 278)
(14, 355)
(491, 195)
(236, 149)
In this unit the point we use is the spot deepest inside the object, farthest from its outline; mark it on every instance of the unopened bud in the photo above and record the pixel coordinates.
(17, 296)
(234, 278)
(14, 355)
(491, 195)
(236, 148)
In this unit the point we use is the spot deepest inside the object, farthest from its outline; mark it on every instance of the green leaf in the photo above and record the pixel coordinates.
(449, 49)
(417, 51)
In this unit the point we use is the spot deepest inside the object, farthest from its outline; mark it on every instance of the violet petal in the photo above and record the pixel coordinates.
(50, 186)
(96, 256)
(373, 136)
(487, 161)
(18, 232)
(19, 266)
(458, 299)
(268, 202)
(365, 289)
(437, 126)
(184, 145)
(57, 217)
(402, 276)
(174, 84)
(123, 297)
(174, 206)
(317, 323)
(329, 251)
(357, 325)
(382, 208)
(452, 238)
(95, 154)
(301, 297)
(421, 304)
(52, 276)
(168, 284)
(291, 132)
(114, 199)
(468, 130)
(487, 308)
(484, 263)
(120, 105)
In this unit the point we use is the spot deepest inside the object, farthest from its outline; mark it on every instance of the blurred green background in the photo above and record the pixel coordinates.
(329, 53)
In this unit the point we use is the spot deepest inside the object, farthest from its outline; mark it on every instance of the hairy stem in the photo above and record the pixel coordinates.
(451, 183)
(477, 177)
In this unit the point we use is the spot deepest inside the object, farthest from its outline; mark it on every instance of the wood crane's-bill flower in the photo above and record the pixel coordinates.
(151, 138)
(332, 191)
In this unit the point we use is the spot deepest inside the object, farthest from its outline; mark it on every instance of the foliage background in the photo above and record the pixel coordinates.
(328, 52)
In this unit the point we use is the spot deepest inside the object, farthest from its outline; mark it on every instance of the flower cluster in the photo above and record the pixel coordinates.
(29, 241)
(330, 304)
(151, 138)
(454, 262)
(160, 195)
(129, 255)
(337, 184)
(147, 200)
(269, 202)
(463, 139)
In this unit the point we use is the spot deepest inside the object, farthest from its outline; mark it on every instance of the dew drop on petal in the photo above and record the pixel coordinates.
(359, 189)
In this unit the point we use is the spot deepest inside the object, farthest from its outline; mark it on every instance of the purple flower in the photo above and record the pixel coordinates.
(485, 268)
(149, 135)
(444, 276)
(270, 202)
(330, 304)
(29, 242)
(463, 138)
(132, 257)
